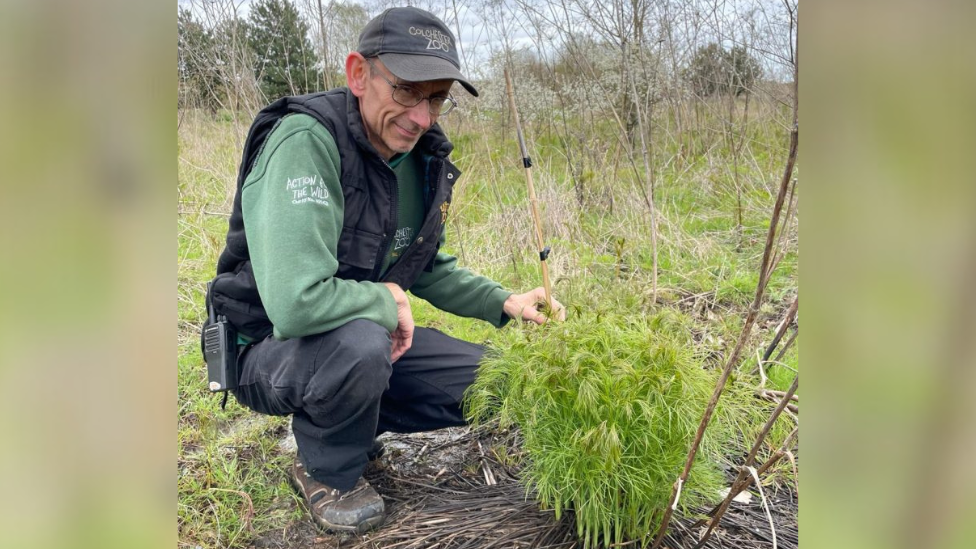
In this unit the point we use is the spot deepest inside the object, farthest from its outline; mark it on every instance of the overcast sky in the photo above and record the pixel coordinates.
(476, 47)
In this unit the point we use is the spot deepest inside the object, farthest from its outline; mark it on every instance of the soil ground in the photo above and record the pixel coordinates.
(450, 489)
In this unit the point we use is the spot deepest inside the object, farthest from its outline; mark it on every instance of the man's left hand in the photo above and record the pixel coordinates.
(527, 307)
(402, 336)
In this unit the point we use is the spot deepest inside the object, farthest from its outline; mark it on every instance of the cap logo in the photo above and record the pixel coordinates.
(436, 40)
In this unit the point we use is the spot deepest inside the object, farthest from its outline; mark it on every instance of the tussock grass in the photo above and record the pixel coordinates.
(608, 406)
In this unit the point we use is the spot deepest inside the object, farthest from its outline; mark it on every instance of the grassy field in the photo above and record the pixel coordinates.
(713, 198)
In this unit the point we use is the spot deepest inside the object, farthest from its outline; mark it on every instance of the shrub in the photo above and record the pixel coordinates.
(608, 408)
(715, 70)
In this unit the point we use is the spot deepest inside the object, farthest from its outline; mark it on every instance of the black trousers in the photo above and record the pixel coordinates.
(342, 390)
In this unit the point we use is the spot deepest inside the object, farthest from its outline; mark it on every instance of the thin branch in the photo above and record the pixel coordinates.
(781, 329)
(650, 185)
(787, 345)
(740, 481)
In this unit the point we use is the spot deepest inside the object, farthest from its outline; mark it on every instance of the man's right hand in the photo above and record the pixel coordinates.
(403, 334)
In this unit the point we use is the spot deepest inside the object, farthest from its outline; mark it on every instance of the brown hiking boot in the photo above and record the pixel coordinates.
(357, 510)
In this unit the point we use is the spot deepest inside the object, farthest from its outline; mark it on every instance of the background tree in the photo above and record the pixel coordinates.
(197, 78)
(216, 67)
(746, 70)
(340, 27)
(715, 70)
(278, 38)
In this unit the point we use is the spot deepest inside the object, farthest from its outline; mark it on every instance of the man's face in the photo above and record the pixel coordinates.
(391, 127)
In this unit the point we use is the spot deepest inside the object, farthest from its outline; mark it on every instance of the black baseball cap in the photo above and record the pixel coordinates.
(415, 45)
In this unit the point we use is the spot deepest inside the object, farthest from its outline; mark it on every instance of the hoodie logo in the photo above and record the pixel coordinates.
(309, 188)
(436, 40)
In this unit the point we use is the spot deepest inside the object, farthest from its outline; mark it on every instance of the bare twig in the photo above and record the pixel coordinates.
(489, 476)
(738, 485)
(202, 212)
(778, 454)
(781, 329)
(762, 371)
(735, 490)
(787, 345)
(796, 475)
(776, 395)
(650, 185)
(791, 203)
(765, 503)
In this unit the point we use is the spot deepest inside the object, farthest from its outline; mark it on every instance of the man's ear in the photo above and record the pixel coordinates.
(357, 73)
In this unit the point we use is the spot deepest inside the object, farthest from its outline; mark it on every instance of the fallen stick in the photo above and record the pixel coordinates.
(777, 394)
(765, 504)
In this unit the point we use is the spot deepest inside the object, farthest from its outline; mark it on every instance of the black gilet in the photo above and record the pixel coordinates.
(370, 216)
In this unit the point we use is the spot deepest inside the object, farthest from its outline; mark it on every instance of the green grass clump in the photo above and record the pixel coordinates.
(608, 409)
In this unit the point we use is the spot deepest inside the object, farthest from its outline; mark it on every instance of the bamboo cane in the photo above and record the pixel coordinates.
(533, 201)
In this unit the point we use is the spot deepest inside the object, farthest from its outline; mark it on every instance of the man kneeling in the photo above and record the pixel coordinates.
(341, 204)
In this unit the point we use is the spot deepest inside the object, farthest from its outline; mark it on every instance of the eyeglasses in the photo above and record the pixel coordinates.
(408, 96)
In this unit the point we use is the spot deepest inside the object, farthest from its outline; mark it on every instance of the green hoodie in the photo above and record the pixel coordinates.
(292, 204)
